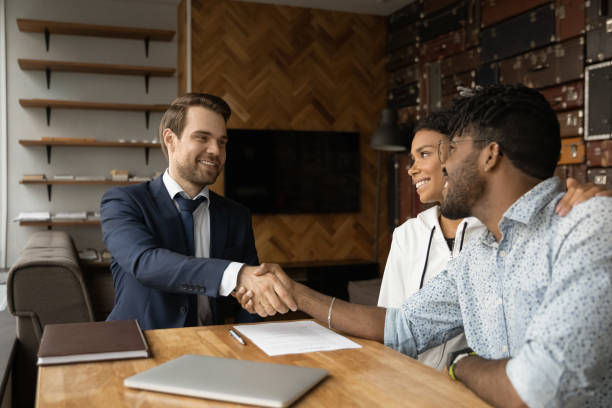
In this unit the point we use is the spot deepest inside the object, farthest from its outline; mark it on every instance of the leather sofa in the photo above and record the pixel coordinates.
(45, 285)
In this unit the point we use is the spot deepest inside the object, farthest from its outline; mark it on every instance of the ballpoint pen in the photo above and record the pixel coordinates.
(237, 337)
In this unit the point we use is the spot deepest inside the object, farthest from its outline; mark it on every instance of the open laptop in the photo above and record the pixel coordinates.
(226, 379)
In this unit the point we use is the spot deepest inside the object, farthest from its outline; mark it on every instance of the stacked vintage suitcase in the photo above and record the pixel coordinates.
(562, 47)
(598, 91)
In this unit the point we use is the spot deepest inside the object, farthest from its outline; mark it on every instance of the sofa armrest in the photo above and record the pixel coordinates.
(45, 285)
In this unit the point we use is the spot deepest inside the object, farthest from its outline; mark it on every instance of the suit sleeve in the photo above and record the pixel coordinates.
(135, 249)
(250, 251)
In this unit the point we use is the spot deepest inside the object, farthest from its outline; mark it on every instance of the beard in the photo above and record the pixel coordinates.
(197, 175)
(465, 186)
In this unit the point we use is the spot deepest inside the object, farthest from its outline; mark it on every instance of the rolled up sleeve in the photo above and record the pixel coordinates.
(567, 353)
(534, 375)
(427, 319)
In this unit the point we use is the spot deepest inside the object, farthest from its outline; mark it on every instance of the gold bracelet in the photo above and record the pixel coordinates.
(331, 305)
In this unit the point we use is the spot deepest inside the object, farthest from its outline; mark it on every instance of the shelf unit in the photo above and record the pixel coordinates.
(49, 104)
(81, 182)
(89, 143)
(47, 28)
(50, 224)
(94, 30)
(51, 183)
(94, 68)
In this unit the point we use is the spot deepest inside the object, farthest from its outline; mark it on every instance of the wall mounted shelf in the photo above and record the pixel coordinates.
(50, 183)
(93, 30)
(93, 143)
(51, 224)
(48, 104)
(94, 68)
(82, 182)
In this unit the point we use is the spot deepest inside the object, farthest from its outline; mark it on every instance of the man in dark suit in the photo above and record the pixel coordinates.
(178, 250)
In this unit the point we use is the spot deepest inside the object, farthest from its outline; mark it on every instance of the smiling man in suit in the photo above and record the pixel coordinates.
(178, 249)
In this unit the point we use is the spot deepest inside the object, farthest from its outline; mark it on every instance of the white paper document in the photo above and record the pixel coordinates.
(33, 216)
(276, 339)
(70, 215)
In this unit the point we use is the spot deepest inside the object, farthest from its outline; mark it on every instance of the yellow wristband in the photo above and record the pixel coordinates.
(451, 371)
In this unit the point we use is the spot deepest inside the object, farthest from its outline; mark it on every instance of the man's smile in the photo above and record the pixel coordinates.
(208, 163)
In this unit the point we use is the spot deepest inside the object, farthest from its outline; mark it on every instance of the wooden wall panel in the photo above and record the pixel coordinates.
(285, 67)
(181, 40)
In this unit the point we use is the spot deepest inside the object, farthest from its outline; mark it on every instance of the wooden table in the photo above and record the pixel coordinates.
(368, 377)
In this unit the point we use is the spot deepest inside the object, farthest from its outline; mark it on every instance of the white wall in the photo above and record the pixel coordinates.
(102, 125)
(3, 129)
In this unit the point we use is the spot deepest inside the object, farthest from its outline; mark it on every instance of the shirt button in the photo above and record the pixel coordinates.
(183, 309)
(499, 301)
(502, 253)
(505, 349)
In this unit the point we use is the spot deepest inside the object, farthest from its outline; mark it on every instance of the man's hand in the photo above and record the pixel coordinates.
(248, 299)
(363, 321)
(267, 294)
(578, 193)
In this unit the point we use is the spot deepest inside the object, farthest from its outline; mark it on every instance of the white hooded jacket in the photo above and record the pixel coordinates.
(418, 253)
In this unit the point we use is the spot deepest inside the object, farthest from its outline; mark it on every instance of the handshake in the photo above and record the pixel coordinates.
(266, 290)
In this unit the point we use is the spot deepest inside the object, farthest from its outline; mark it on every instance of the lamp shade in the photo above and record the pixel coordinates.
(388, 136)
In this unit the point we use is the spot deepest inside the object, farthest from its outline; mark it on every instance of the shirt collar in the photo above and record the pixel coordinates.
(174, 188)
(529, 204)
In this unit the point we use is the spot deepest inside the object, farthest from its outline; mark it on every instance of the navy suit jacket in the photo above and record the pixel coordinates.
(152, 274)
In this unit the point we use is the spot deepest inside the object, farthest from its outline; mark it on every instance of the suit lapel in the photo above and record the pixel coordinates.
(170, 220)
(218, 226)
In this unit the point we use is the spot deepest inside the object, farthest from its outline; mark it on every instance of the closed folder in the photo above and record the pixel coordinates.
(92, 341)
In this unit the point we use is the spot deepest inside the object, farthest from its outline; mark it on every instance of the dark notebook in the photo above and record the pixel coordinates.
(91, 341)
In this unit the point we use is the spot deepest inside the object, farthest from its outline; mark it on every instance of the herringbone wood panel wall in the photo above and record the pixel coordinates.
(294, 68)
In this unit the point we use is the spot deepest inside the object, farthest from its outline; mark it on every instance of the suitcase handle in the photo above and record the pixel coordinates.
(556, 100)
(539, 67)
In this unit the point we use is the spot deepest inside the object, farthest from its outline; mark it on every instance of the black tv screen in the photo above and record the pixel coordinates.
(289, 172)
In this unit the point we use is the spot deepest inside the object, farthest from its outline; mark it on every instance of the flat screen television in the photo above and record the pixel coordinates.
(291, 172)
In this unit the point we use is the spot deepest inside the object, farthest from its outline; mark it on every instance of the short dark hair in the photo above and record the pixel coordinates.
(436, 121)
(517, 118)
(175, 117)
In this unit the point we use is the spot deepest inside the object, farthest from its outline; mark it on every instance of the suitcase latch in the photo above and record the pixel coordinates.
(600, 179)
(609, 25)
(574, 151)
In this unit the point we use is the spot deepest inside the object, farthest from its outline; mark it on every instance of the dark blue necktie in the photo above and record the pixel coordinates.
(187, 207)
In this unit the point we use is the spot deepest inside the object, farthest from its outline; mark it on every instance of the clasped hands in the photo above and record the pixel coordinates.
(265, 290)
